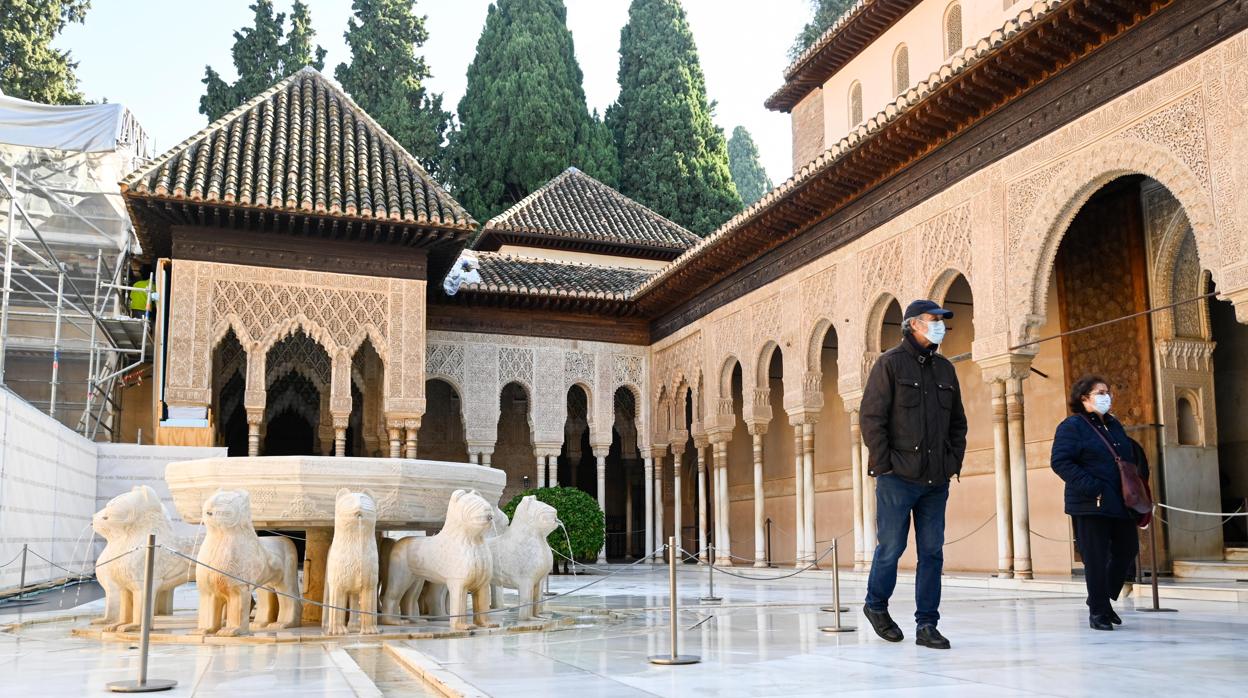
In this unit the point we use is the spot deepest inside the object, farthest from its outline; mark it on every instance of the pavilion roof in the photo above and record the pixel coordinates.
(300, 149)
(576, 211)
(516, 274)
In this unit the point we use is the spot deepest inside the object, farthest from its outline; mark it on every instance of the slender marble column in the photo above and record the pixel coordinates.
(659, 537)
(411, 427)
(602, 498)
(760, 543)
(723, 538)
(855, 464)
(393, 430)
(254, 417)
(799, 500)
(702, 451)
(868, 511)
(1001, 470)
(677, 520)
(648, 469)
(540, 476)
(808, 488)
(1018, 478)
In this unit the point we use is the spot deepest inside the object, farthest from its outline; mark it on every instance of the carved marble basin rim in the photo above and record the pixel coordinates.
(297, 492)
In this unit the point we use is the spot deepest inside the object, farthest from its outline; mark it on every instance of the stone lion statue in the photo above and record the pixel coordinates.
(351, 571)
(457, 558)
(522, 556)
(231, 545)
(125, 523)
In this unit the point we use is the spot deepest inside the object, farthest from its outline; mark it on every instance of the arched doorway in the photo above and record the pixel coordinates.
(296, 413)
(229, 367)
(779, 451)
(513, 450)
(1130, 249)
(625, 489)
(441, 434)
(366, 427)
(576, 458)
(834, 504)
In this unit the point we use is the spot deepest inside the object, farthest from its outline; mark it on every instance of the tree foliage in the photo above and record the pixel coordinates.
(581, 516)
(825, 12)
(263, 54)
(386, 77)
(673, 158)
(747, 172)
(523, 118)
(29, 67)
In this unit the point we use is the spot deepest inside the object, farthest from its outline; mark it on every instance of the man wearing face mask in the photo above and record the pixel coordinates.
(1086, 448)
(915, 429)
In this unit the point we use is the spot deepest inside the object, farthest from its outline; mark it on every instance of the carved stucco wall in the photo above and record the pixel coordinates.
(262, 306)
(1000, 227)
(480, 365)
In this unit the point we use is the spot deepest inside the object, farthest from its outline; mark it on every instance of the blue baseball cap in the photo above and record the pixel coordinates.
(919, 307)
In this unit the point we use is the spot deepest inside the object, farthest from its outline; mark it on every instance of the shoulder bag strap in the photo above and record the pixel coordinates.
(1112, 450)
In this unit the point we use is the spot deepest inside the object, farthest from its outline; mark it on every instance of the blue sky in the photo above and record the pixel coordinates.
(150, 55)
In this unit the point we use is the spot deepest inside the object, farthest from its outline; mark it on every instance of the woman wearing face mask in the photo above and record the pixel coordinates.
(1105, 529)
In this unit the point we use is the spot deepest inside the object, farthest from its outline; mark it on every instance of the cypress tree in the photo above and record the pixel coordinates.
(523, 119)
(29, 67)
(263, 53)
(673, 158)
(825, 13)
(385, 77)
(747, 172)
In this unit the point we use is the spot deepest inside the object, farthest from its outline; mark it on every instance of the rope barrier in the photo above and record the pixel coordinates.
(15, 558)
(1041, 535)
(379, 614)
(977, 529)
(98, 565)
(1214, 527)
(794, 573)
(1238, 512)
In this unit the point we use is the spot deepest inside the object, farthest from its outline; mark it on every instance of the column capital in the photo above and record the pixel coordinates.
(757, 428)
(803, 415)
(484, 447)
(678, 437)
(701, 441)
(719, 435)
(255, 415)
(340, 419)
(1005, 367)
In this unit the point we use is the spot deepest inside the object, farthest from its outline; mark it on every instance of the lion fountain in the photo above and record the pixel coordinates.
(231, 552)
(522, 556)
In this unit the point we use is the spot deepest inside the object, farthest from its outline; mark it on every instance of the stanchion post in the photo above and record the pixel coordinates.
(710, 578)
(144, 685)
(1152, 555)
(675, 657)
(836, 609)
(21, 584)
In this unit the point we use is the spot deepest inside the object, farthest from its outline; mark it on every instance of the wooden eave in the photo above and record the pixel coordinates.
(491, 240)
(536, 299)
(1048, 45)
(860, 30)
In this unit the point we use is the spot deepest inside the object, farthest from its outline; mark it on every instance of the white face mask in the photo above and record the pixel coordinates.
(1102, 403)
(935, 331)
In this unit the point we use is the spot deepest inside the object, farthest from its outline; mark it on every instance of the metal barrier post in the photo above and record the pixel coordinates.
(835, 608)
(675, 657)
(144, 685)
(21, 585)
(710, 577)
(1152, 559)
(768, 558)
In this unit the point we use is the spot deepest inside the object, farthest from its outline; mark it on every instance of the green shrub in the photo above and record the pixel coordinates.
(579, 513)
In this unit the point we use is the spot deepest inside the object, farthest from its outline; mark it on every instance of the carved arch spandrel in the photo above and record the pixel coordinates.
(1083, 174)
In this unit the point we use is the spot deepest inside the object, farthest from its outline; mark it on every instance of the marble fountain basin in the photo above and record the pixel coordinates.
(297, 492)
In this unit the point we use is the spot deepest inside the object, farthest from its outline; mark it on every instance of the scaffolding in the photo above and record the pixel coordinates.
(68, 341)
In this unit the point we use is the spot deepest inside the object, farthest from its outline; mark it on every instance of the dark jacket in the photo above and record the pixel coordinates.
(1093, 484)
(912, 417)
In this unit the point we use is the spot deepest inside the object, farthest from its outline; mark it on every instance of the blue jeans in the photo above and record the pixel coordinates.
(895, 500)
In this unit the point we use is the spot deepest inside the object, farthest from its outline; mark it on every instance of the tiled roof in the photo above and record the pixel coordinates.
(512, 274)
(301, 147)
(576, 206)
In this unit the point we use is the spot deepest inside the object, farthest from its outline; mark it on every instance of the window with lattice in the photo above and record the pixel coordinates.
(855, 104)
(901, 69)
(953, 29)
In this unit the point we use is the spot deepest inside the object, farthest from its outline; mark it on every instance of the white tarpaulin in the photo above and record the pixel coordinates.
(89, 128)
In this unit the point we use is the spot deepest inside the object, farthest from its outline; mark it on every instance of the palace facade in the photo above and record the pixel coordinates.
(1050, 170)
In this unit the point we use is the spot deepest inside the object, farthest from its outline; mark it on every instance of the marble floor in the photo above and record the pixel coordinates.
(762, 640)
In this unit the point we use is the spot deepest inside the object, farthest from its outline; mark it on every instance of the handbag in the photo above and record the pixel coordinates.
(1135, 492)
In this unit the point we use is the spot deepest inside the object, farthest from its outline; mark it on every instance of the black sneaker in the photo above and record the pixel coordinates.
(883, 624)
(929, 636)
(1113, 617)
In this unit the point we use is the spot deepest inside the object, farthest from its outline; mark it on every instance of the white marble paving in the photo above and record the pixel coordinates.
(762, 641)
